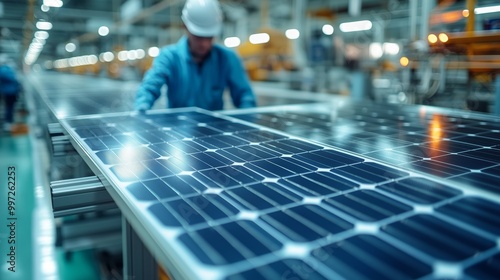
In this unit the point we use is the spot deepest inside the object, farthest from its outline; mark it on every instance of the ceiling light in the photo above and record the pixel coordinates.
(140, 53)
(292, 34)
(122, 55)
(404, 61)
(53, 3)
(376, 50)
(44, 8)
(432, 38)
(327, 29)
(391, 48)
(44, 25)
(153, 51)
(42, 35)
(70, 47)
(259, 38)
(443, 37)
(354, 26)
(487, 10)
(103, 31)
(232, 42)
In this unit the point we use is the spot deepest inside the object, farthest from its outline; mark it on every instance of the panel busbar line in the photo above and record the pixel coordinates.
(215, 197)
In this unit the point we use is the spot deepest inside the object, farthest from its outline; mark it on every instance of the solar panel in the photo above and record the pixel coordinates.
(227, 199)
(452, 144)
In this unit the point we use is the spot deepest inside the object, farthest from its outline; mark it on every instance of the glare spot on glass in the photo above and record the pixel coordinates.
(128, 154)
(44, 8)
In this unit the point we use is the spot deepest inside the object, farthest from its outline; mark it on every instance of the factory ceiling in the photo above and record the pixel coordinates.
(144, 21)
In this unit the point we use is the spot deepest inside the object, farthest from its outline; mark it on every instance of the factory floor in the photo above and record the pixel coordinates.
(16, 151)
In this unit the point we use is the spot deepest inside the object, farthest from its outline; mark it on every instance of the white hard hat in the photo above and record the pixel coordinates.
(202, 17)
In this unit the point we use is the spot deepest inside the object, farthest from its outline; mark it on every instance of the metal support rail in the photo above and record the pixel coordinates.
(79, 195)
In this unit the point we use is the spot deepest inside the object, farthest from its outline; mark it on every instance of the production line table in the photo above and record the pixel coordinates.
(319, 190)
(214, 197)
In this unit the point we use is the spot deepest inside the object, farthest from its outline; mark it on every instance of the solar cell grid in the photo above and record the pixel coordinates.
(242, 201)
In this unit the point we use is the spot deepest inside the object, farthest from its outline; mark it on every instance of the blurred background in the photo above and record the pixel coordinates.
(79, 57)
(438, 52)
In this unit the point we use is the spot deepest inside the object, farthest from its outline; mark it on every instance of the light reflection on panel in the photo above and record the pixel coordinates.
(238, 201)
(450, 144)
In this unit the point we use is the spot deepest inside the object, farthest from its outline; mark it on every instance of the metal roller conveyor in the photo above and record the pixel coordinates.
(79, 195)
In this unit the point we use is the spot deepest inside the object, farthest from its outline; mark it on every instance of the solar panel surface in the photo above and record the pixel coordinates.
(225, 199)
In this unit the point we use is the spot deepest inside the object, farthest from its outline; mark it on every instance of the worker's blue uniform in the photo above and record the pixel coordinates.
(192, 84)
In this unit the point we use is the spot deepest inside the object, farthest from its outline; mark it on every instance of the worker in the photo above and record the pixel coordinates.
(195, 70)
(10, 88)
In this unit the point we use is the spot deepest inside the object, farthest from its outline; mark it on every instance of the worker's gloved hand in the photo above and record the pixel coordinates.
(141, 110)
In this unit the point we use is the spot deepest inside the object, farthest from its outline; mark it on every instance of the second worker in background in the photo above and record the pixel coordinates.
(195, 70)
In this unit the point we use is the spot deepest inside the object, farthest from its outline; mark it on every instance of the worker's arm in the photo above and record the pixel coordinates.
(154, 79)
(239, 84)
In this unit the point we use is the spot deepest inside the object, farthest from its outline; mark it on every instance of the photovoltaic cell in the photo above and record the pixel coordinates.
(438, 238)
(369, 257)
(242, 201)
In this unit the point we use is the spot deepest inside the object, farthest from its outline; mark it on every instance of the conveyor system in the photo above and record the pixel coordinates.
(79, 195)
(315, 191)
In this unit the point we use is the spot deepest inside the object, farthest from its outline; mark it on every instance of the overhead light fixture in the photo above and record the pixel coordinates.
(391, 48)
(487, 10)
(376, 51)
(53, 3)
(70, 47)
(259, 38)
(432, 38)
(355, 26)
(292, 34)
(44, 25)
(103, 31)
(106, 57)
(232, 42)
(404, 61)
(327, 29)
(443, 37)
(153, 51)
(140, 53)
(44, 8)
(42, 35)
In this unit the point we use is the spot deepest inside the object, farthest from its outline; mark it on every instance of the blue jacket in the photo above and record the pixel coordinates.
(190, 84)
(9, 85)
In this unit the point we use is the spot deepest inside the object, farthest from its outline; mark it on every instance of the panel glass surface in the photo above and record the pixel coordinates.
(234, 200)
